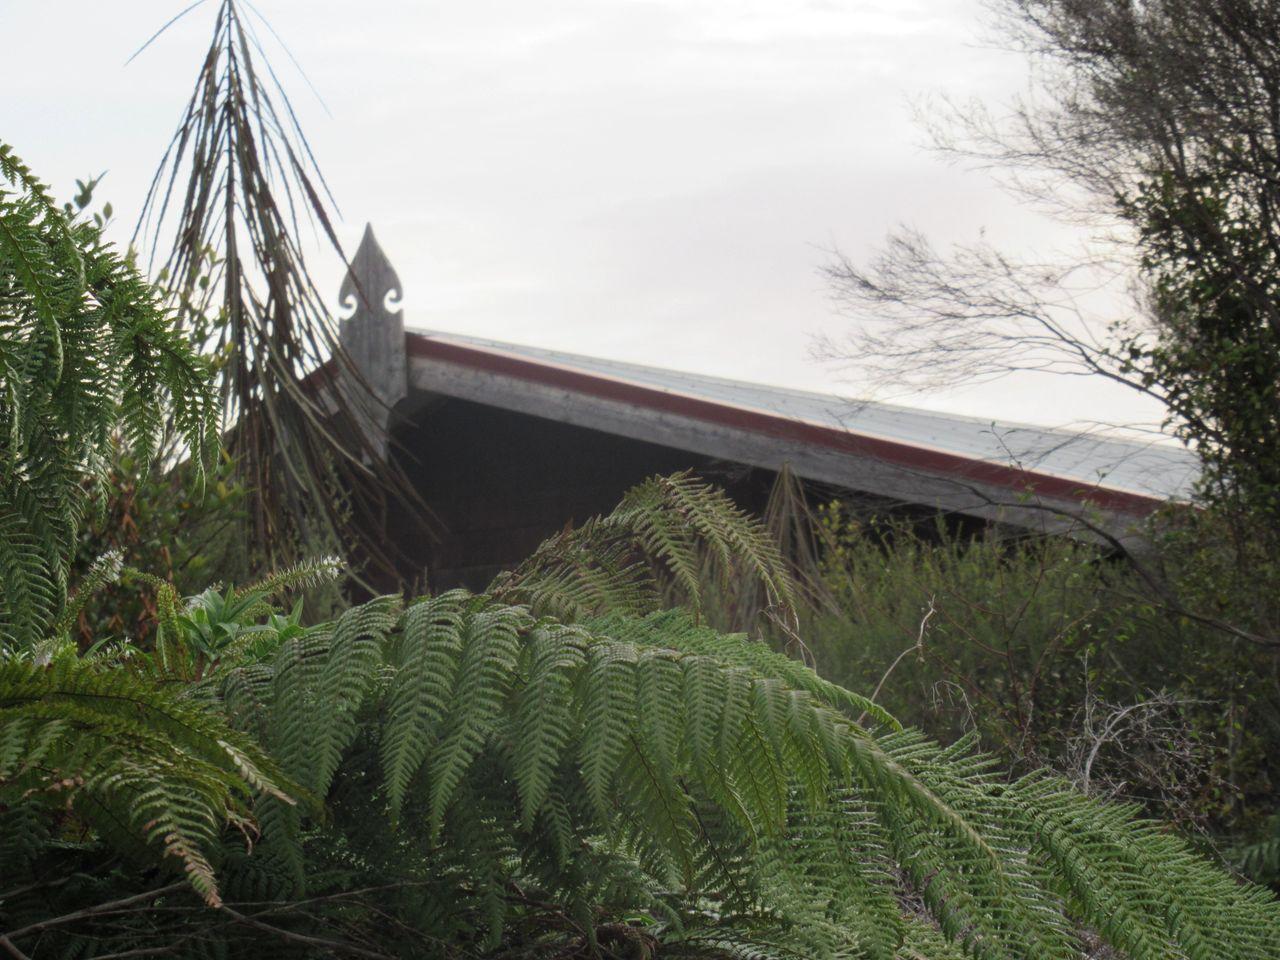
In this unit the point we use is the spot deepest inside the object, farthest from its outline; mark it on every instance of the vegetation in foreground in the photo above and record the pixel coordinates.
(1058, 654)
(574, 763)
(556, 767)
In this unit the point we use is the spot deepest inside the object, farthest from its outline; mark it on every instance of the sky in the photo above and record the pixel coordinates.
(656, 181)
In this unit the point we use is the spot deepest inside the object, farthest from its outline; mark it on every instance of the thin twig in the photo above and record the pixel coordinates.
(101, 908)
(302, 938)
(917, 647)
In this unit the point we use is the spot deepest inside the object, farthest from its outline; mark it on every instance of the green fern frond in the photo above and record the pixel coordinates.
(1139, 885)
(739, 782)
(85, 351)
(135, 763)
(684, 520)
(544, 717)
(676, 629)
(321, 679)
(606, 706)
(664, 534)
(1260, 860)
(425, 657)
(490, 649)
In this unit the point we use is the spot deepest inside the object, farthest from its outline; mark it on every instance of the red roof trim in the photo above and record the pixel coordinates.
(900, 454)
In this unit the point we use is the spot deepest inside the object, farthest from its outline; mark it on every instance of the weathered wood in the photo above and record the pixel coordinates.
(856, 473)
(372, 335)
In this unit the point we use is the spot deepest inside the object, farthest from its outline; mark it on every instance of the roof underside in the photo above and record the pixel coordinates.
(768, 425)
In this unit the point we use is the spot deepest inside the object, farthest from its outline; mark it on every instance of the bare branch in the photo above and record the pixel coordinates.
(916, 648)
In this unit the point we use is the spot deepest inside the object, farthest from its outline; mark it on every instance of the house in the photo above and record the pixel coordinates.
(509, 443)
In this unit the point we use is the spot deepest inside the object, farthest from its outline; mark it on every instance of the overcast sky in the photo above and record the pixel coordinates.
(647, 180)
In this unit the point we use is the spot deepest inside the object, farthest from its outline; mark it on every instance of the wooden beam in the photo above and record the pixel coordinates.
(851, 465)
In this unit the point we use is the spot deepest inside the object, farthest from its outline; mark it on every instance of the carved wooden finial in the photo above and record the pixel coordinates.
(373, 333)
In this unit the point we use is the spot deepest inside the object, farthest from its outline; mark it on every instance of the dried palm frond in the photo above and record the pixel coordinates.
(228, 202)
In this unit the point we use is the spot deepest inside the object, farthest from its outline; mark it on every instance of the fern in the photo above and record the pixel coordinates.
(654, 547)
(426, 659)
(522, 782)
(490, 648)
(512, 745)
(85, 350)
(544, 715)
(1261, 859)
(131, 761)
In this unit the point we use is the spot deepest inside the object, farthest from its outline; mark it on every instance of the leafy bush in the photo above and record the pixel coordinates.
(159, 521)
(1055, 654)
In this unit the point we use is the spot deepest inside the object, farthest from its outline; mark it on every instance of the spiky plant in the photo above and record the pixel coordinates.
(627, 784)
(224, 215)
(86, 350)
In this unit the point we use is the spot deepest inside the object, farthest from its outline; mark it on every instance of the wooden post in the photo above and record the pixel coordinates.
(372, 336)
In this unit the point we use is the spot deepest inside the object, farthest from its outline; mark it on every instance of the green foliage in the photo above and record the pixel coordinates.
(1261, 859)
(156, 520)
(1003, 644)
(670, 539)
(1215, 355)
(1056, 654)
(116, 754)
(85, 351)
(507, 782)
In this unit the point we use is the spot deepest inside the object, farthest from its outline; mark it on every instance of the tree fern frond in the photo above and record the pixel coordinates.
(683, 518)
(135, 762)
(1261, 859)
(668, 526)
(676, 629)
(321, 680)
(426, 656)
(607, 705)
(85, 351)
(490, 649)
(28, 594)
(544, 718)
(1142, 887)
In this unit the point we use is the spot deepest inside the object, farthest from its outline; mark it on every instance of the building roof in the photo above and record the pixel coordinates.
(891, 450)
(1006, 471)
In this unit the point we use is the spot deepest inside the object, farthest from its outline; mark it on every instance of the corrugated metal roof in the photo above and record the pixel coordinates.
(1155, 468)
